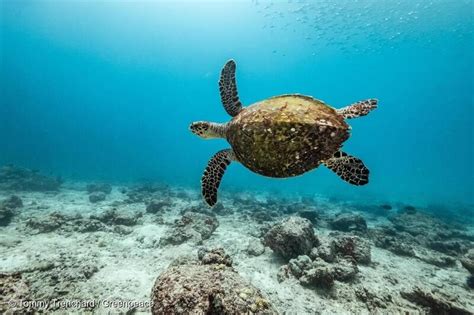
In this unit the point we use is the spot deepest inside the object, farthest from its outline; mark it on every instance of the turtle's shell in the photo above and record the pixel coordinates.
(286, 135)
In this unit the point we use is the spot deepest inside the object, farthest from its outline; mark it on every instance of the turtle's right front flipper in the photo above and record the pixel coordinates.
(228, 89)
(348, 168)
(213, 173)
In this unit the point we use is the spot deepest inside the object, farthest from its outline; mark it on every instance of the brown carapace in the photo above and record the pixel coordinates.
(282, 136)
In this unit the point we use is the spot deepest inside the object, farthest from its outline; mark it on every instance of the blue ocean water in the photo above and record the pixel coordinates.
(105, 90)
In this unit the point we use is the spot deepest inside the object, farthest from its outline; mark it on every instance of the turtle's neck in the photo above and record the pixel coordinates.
(218, 130)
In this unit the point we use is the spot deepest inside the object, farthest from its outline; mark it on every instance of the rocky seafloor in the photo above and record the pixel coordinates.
(148, 248)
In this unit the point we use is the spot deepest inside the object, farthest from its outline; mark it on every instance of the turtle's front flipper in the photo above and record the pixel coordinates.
(228, 89)
(358, 109)
(348, 168)
(212, 176)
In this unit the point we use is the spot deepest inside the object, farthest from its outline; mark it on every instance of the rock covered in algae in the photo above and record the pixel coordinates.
(97, 196)
(467, 261)
(99, 187)
(158, 205)
(7, 209)
(13, 291)
(255, 247)
(353, 246)
(12, 202)
(214, 256)
(206, 287)
(23, 179)
(317, 272)
(291, 237)
(192, 226)
(110, 221)
(435, 302)
(349, 222)
(6, 215)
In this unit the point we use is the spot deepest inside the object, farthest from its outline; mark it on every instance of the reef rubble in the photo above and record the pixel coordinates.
(251, 253)
(13, 178)
(207, 286)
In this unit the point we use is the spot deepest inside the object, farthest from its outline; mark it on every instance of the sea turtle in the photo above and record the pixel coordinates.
(282, 136)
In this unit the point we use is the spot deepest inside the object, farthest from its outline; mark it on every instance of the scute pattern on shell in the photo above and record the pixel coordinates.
(286, 135)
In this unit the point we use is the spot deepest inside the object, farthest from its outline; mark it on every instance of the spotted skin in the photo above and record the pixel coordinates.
(208, 130)
(348, 168)
(228, 89)
(358, 109)
(213, 173)
(287, 135)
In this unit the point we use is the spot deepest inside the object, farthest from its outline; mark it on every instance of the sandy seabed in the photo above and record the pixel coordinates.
(72, 257)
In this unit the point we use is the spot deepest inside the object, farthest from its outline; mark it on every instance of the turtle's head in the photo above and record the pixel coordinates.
(208, 130)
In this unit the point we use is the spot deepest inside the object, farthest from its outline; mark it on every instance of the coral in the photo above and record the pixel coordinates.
(326, 251)
(449, 247)
(434, 303)
(348, 222)
(22, 179)
(191, 288)
(374, 301)
(146, 193)
(110, 220)
(309, 213)
(318, 272)
(352, 246)
(291, 237)
(114, 217)
(14, 288)
(97, 196)
(263, 216)
(409, 209)
(435, 258)
(470, 281)
(221, 210)
(7, 209)
(59, 276)
(9, 241)
(255, 247)
(199, 209)
(192, 226)
(158, 205)
(100, 187)
(299, 265)
(6, 215)
(13, 202)
(214, 256)
(467, 261)
(46, 223)
(284, 273)
(345, 269)
(424, 237)
(418, 224)
(386, 206)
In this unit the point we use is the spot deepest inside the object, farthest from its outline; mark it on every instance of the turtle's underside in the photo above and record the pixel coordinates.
(282, 136)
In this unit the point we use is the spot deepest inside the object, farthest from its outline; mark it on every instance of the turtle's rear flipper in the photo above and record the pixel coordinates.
(358, 109)
(348, 168)
(228, 89)
(213, 173)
